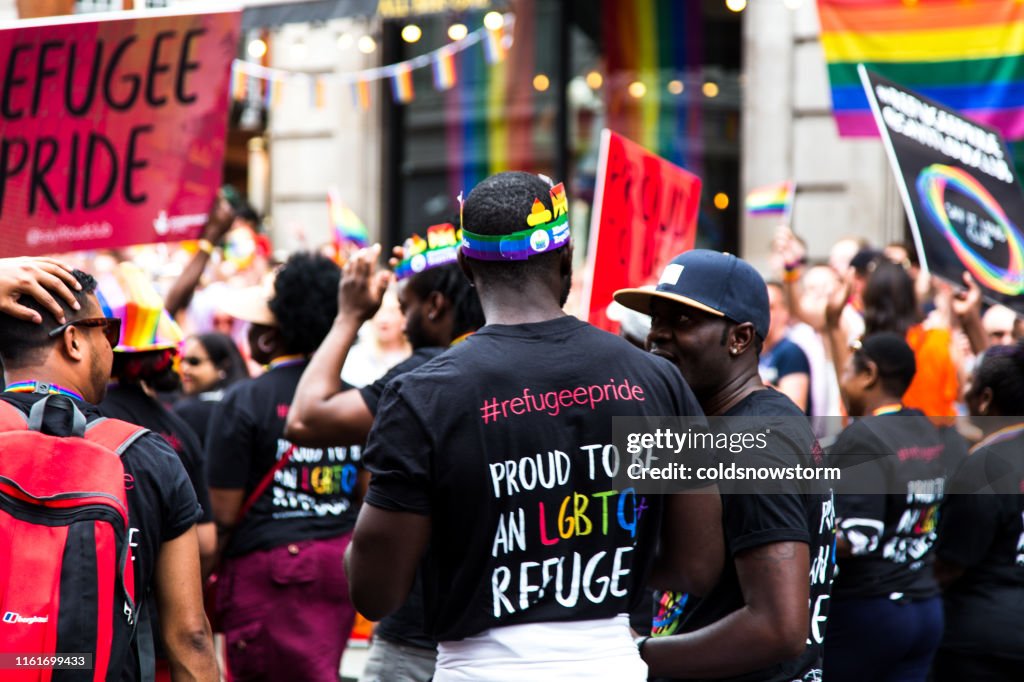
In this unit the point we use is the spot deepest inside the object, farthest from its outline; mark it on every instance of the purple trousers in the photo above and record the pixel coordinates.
(286, 611)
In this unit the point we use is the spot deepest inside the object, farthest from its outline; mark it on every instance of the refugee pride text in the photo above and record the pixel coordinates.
(116, 75)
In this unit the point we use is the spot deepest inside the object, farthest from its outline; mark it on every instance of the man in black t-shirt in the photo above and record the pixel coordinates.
(493, 464)
(74, 359)
(765, 618)
(886, 616)
(441, 309)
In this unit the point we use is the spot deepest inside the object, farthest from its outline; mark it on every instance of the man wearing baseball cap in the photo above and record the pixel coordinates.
(710, 316)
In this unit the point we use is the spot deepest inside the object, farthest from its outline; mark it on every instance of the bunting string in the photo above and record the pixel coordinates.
(441, 61)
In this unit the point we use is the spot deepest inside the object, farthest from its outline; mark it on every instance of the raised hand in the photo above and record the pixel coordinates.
(362, 286)
(39, 278)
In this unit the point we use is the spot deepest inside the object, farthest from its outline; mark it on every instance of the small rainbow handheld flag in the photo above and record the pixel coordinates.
(401, 85)
(348, 228)
(444, 70)
(770, 199)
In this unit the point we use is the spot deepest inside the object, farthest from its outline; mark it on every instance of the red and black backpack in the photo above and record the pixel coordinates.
(66, 579)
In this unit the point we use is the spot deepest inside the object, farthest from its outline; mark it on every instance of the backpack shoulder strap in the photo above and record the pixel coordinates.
(113, 434)
(11, 418)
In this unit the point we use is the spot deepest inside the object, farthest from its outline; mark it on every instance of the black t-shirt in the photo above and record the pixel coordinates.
(161, 502)
(984, 533)
(372, 392)
(406, 624)
(311, 497)
(891, 535)
(501, 441)
(196, 411)
(131, 404)
(793, 514)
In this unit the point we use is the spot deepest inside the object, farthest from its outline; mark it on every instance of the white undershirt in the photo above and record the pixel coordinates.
(581, 650)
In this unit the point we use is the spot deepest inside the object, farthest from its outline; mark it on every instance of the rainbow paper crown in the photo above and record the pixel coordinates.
(547, 230)
(441, 247)
(129, 294)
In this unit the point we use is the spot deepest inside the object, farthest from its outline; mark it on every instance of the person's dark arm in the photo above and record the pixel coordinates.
(186, 632)
(207, 534)
(394, 524)
(229, 451)
(226, 503)
(769, 629)
(692, 548)
(382, 558)
(322, 414)
(217, 225)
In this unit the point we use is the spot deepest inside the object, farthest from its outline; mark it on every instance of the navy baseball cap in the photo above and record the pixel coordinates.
(712, 281)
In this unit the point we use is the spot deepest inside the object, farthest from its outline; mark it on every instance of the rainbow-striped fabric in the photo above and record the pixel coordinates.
(128, 293)
(770, 199)
(659, 44)
(965, 54)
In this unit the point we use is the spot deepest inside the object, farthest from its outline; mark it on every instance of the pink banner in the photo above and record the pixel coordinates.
(112, 132)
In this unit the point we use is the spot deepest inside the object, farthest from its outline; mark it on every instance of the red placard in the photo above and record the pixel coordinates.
(112, 130)
(645, 214)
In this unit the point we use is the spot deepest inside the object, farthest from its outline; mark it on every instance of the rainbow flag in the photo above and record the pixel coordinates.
(401, 85)
(361, 94)
(965, 54)
(444, 70)
(348, 228)
(771, 199)
(494, 45)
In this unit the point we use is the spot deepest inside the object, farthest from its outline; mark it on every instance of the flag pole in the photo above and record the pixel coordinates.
(787, 216)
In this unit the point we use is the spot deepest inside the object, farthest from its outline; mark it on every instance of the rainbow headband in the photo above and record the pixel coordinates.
(441, 247)
(932, 183)
(548, 230)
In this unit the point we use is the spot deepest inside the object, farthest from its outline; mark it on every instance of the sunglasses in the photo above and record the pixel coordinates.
(193, 361)
(111, 327)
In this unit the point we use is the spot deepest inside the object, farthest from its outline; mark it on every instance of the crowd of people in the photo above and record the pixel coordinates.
(461, 486)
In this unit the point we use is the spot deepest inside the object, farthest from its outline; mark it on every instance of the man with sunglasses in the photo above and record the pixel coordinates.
(74, 359)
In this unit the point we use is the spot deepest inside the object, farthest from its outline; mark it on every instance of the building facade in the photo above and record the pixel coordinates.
(740, 98)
